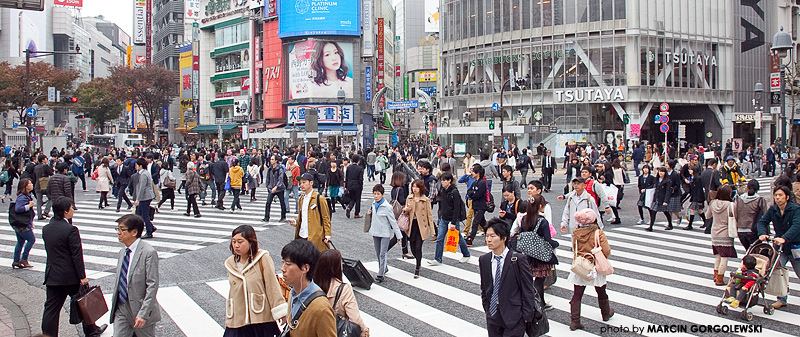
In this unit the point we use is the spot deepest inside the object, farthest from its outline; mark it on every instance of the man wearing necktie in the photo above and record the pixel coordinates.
(134, 308)
(506, 285)
(548, 169)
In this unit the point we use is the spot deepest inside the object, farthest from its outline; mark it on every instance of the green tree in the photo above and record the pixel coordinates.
(148, 87)
(99, 102)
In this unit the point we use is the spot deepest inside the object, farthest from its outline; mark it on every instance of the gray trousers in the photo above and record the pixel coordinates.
(123, 324)
(39, 202)
(381, 247)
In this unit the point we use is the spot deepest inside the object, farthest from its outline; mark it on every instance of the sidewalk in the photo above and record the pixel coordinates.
(21, 306)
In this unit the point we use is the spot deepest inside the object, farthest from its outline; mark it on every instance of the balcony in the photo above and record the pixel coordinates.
(175, 28)
(168, 8)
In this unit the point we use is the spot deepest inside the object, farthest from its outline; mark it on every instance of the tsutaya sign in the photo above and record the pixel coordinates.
(590, 95)
(688, 58)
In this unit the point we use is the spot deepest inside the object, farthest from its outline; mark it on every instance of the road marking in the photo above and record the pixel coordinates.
(186, 314)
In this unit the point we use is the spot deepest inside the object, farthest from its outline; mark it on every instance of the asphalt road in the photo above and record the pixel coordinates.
(662, 278)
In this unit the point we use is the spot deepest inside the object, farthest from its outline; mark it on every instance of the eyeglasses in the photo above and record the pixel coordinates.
(122, 229)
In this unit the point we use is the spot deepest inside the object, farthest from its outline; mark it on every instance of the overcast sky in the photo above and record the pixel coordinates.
(116, 11)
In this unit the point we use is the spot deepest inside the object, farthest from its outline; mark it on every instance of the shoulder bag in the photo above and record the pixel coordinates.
(286, 291)
(600, 261)
(582, 266)
(489, 198)
(18, 220)
(533, 245)
(539, 325)
(397, 207)
(732, 229)
(344, 327)
(287, 329)
(368, 220)
(778, 284)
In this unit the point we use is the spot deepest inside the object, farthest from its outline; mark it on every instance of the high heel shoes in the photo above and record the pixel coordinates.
(416, 273)
(15, 265)
(25, 264)
(408, 256)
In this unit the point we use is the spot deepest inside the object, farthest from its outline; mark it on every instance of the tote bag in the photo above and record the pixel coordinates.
(600, 261)
(732, 230)
(779, 282)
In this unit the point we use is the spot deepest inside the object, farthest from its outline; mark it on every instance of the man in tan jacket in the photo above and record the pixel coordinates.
(310, 313)
(313, 221)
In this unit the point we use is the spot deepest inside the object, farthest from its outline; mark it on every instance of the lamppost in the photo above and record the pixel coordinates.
(758, 92)
(341, 96)
(781, 46)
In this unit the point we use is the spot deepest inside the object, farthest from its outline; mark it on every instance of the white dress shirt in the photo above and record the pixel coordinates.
(494, 262)
(132, 247)
(304, 222)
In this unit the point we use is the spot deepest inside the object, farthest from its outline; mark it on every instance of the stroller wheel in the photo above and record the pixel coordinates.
(747, 316)
(721, 309)
(769, 310)
(724, 309)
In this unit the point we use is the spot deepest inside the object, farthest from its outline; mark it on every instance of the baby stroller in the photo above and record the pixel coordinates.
(766, 257)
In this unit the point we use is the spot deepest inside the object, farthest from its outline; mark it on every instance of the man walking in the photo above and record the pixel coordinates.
(275, 182)
(354, 183)
(219, 170)
(771, 161)
(758, 158)
(65, 270)
(134, 309)
(548, 169)
(638, 157)
(143, 194)
(42, 173)
(524, 163)
(313, 222)
(310, 311)
(371, 158)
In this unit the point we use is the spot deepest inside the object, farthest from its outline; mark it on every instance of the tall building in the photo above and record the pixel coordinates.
(168, 29)
(119, 39)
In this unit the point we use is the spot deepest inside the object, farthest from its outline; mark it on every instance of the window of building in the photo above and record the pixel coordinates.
(558, 12)
(527, 12)
(619, 9)
(570, 8)
(608, 9)
(231, 35)
(594, 10)
(497, 12)
(516, 15)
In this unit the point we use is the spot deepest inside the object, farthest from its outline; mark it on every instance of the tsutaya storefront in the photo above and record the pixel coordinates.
(586, 79)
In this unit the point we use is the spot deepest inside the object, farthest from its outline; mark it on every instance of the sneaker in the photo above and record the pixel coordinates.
(434, 263)
(465, 259)
(730, 299)
(641, 222)
(735, 304)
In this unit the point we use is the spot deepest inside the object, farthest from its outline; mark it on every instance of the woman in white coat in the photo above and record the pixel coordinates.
(104, 182)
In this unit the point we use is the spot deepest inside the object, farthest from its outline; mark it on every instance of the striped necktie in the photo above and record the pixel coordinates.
(496, 289)
(123, 277)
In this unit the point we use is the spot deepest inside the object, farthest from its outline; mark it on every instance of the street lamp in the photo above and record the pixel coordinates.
(758, 92)
(781, 46)
(341, 96)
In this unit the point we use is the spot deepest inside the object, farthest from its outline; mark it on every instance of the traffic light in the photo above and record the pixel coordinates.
(69, 99)
(491, 124)
(626, 119)
(80, 116)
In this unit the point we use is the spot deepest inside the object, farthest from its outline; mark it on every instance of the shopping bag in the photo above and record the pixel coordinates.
(778, 284)
(648, 196)
(611, 194)
(451, 242)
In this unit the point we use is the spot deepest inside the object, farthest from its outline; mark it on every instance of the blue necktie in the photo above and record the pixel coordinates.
(123, 277)
(496, 289)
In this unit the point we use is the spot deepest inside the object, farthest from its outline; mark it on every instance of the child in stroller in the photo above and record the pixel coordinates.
(740, 288)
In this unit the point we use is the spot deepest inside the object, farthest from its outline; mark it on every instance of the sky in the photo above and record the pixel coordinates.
(116, 11)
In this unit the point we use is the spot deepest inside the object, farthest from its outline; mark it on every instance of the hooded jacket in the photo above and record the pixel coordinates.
(253, 289)
(489, 169)
(749, 208)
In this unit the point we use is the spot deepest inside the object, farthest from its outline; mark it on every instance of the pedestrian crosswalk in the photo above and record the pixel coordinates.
(662, 278)
(176, 234)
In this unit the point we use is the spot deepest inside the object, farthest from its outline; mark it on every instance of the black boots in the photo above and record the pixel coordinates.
(575, 315)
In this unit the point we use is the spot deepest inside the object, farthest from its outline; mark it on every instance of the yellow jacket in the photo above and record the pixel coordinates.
(236, 173)
(319, 220)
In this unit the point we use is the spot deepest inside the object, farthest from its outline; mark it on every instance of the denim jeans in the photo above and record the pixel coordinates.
(295, 191)
(235, 203)
(786, 256)
(24, 237)
(441, 235)
(371, 171)
(381, 247)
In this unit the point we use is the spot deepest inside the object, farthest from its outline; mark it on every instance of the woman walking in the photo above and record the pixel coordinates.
(255, 299)
(696, 197)
(749, 209)
(383, 228)
(193, 188)
(335, 180)
(661, 199)
(253, 170)
(646, 182)
(400, 194)
(236, 173)
(167, 182)
(618, 180)
(533, 221)
(469, 160)
(785, 219)
(583, 241)
(418, 206)
(12, 174)
(721, 243)
(381, 165)
(24, 231)
(340, 295)
(104, 182)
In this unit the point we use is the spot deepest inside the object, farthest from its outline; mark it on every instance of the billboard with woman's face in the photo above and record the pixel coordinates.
(319, 68)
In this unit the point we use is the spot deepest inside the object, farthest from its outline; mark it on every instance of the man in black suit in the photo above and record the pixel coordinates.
(354, 183)
(219, 170)
(65, 271)
(711, 181)
(548, 169)
(508, 294)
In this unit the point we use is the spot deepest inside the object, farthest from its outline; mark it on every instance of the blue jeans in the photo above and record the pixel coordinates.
(636, 166)
(785, 257)
(371, 171)
(24, 237)
(143, 210)
(441, 234)
(295, 190)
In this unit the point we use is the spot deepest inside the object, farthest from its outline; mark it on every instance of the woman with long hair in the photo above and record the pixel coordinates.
(399, 194)
(534, 221)
(340, 295)
(255, 298)
(661, 198)
(167, 192)
(469, 160)
(418, 207)
(696, 197)
(721, 243)
(253, 171)
(335, 182)
(330, 69)
(617, 179)
(12, 174)
(646, 182)
(25, 237)
(104, 182)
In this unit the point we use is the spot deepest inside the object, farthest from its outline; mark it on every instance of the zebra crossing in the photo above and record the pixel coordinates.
(662, 279)
(176, 234)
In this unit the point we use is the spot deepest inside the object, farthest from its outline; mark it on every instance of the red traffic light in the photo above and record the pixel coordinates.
(73, 99)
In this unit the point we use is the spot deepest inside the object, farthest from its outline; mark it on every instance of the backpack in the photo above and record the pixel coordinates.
(590, 189)
(3, 177)
(287, 178)
(460, 213)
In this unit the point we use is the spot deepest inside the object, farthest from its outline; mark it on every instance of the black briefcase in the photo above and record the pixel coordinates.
(356, 273)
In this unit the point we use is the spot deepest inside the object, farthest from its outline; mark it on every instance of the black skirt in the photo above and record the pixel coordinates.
(268, 329)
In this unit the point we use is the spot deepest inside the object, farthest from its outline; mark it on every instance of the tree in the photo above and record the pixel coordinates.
(42, 76)
(148, 87)
(99, 101)
(792, 95)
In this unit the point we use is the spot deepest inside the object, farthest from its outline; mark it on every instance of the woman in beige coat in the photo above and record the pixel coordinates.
(329, 277)
(418, 207)
(255, 299)
(104, 182)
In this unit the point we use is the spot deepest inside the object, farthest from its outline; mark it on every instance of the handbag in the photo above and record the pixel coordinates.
(368, 221)
(732, 229)
(601, 263)
(228, 183)
(90, 304)
(397, 207)
(582, 266)
(287, 329)
(19, 220)
(451, 241)
(404, 222)
(489, 199)
(778, 284)
(539, 325)
(533, 245)
(344, 327)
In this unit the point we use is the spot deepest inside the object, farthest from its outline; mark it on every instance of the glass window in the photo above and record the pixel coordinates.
(619, 9)
(497, 12)
(569, 9)
(547, 14)
(526, 13)
(473, 19)
(515, 13)
(461, 24)
(536, 14)
(479, 13)
(594, 57)
(619, 63)
(583, 15)
(594, 10)
(489, 9)
(608, 9)
(558, 12)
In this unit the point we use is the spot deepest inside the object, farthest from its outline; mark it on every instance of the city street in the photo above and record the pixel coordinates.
(661, 278)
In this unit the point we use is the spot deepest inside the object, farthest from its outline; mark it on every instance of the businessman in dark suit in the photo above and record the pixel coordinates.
(65, 271)
(508, 294)
(354, 183)
(134, 308)
(548, 169)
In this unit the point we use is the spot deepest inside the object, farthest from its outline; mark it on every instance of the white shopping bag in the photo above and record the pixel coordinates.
(611, 194)
(648, 196)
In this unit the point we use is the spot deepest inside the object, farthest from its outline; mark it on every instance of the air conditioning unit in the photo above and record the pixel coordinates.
(522, 121)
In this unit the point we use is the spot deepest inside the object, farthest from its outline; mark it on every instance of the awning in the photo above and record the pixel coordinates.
(212, 128)
(273, 125)
(332, 129)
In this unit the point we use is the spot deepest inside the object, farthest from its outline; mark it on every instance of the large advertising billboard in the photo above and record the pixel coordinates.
(28, 31)
(272, 80)
(326, 113)
(431, 16)
(318, 68)
(139, 14)
(310, 17)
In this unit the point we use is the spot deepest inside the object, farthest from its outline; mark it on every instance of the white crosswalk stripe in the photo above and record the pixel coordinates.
(649, 268)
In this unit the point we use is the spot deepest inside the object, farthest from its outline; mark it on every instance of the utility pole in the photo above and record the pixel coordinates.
(502, 110)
